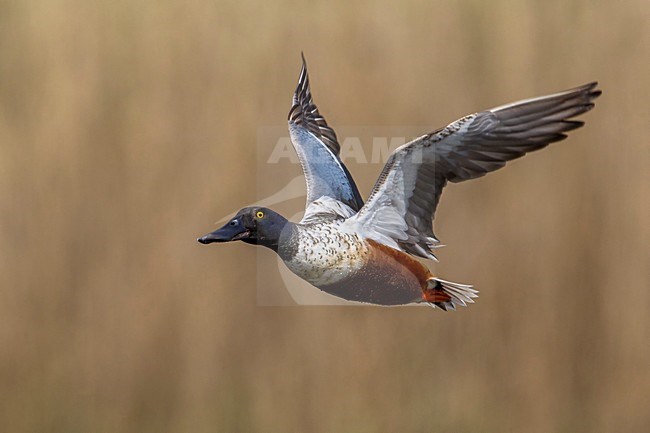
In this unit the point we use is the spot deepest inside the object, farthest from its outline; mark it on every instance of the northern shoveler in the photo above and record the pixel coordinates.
(364, 252)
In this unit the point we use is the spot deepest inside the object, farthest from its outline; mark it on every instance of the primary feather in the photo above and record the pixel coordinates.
(403, 201)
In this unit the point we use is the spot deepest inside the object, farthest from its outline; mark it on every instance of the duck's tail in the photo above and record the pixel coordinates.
(447, 295)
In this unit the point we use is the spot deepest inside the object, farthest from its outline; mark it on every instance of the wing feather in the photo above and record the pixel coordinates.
(318, 149)
(409, 187)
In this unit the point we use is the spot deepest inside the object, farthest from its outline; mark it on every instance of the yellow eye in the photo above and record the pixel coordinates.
(259, 214)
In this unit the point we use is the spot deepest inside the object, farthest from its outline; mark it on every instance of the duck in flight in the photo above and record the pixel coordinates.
(366, 252)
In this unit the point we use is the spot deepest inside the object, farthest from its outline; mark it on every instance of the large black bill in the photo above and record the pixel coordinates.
(226, 233)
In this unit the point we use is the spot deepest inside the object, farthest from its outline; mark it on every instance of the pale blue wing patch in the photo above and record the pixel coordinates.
(318, 150)
(324, 172)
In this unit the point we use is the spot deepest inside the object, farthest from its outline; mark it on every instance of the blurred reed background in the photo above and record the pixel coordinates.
(128, 127)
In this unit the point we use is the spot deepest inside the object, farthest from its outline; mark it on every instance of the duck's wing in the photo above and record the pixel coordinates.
(399, 211)
(318, 150)
(326, 208)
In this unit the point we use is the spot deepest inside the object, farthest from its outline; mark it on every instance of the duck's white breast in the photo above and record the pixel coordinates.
(325, 255)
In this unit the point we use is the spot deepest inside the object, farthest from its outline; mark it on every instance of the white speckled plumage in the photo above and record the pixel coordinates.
(324, 254)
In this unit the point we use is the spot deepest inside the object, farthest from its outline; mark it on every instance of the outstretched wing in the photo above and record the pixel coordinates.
(399, 211)
(318, 150)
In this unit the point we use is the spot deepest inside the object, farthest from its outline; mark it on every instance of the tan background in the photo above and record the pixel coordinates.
(128, 127)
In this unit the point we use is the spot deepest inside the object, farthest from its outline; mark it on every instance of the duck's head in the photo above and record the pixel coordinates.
(253, 225)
